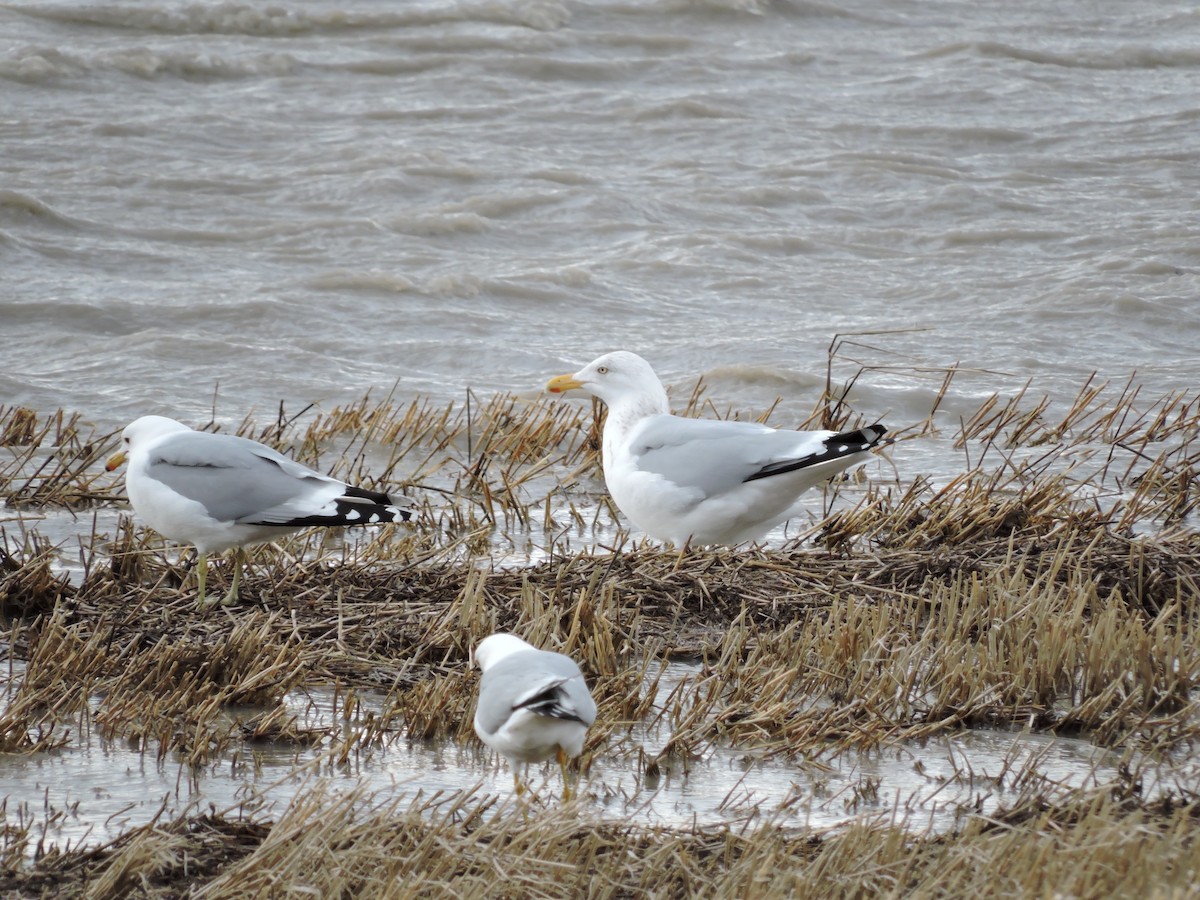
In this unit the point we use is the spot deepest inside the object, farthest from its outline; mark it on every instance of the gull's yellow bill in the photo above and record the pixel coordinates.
(560, 383)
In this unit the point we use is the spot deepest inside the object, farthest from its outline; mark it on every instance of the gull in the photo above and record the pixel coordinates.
(533, 704)
(217, 492)
(703, 481)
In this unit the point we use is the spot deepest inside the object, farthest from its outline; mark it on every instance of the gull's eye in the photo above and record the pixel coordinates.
(602, 370)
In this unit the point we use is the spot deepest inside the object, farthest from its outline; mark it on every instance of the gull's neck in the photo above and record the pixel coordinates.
(625, 412)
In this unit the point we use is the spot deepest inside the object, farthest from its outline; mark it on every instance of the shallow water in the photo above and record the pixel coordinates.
(97, 788)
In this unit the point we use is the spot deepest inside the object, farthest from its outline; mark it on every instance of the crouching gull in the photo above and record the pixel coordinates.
(533, 704)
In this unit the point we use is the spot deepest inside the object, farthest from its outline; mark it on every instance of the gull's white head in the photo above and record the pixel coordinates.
(139, 432)
(494, 648)
(616, 378)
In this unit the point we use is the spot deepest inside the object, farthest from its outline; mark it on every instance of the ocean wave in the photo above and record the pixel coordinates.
(23, 209)
(543, 287)
(282, 21)
(584, 71)
(146, 63)
(500, 206)
(897, 162)
(568, 177)
(453, 284)
(687, 108)
(65, 316)
(371, 282)
(785, 382)
(775, 244)
(425, 50)
(991, 236)
(1116, 58)
(1154, 268)
(756, 8)
(437, 224)
(32, 65)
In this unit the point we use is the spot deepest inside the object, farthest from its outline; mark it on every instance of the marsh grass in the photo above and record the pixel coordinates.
(368, 846)
(1050, 587)
(67, 475)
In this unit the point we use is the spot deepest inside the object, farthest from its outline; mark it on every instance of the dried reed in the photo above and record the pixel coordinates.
(1052, 586)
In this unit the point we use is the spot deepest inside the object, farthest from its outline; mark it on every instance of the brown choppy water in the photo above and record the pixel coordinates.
(300, 203)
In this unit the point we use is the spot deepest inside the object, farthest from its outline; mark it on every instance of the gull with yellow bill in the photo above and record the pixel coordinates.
(703, 481)
(220, 492)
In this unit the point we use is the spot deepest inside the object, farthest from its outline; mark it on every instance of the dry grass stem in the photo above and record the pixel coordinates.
(1051, 586)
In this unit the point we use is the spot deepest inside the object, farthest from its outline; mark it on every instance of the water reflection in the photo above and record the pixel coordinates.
(95, 788)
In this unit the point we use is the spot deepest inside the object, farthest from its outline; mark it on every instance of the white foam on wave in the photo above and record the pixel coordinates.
(32, 65)
(1128, 56)
(370, 281)
(437, 224)
(278, 21)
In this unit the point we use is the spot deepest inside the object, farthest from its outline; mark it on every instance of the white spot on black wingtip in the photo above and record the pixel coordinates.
(350, 509)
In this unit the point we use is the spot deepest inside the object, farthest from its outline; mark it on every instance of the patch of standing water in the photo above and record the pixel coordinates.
(95, 788)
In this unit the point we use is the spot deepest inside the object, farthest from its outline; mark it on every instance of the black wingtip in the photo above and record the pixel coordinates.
(871, 435)
(363, 494)
(357, 508)
(837, 446)
(397, 505)
(548, 702)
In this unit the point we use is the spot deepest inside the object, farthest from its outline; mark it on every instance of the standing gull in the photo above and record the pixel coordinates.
(218, 491)
(533, 704)
(707, 481)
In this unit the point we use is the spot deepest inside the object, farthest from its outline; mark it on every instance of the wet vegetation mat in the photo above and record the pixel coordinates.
(1049, 591)
(466, 846)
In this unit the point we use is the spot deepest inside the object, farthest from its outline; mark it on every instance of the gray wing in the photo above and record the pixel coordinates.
(542, 682)
(713, 456)
(234, 478)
